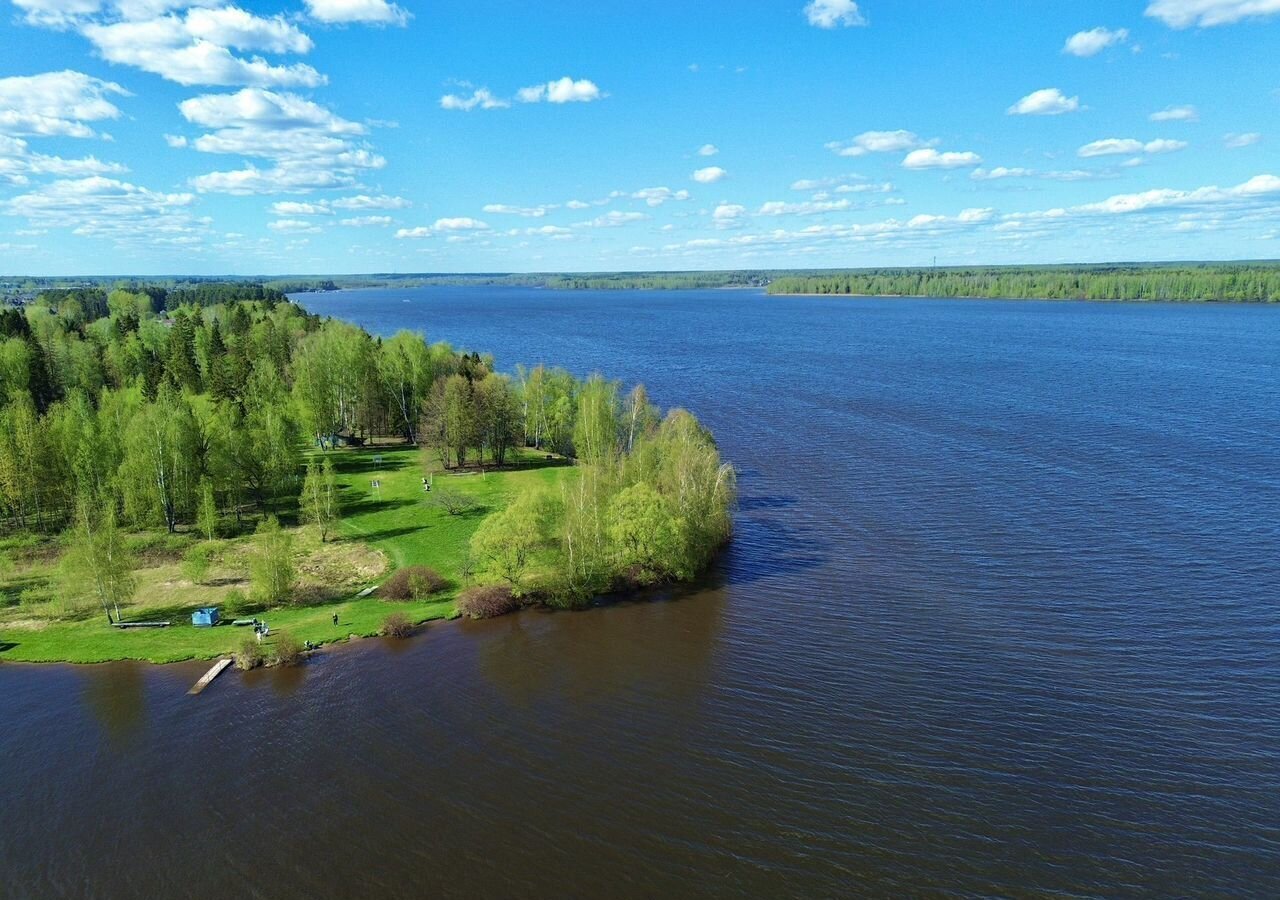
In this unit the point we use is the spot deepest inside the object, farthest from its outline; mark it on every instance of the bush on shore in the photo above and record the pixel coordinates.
(412, 583)
(287, 650)
(250, 655)
(397, 625)
(485, 601)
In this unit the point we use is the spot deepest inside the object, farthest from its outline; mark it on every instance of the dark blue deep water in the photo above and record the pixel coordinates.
(1002, 617)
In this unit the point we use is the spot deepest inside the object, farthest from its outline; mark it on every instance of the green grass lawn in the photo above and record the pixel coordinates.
(398, 519)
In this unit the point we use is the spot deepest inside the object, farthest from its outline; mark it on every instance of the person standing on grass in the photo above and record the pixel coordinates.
(335, 620)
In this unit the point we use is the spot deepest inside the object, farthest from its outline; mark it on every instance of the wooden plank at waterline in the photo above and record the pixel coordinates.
(209, 676)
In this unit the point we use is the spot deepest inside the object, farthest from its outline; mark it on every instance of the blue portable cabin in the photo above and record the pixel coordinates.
(205, 616)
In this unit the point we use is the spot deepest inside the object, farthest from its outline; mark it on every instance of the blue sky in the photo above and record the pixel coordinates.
(336, 136)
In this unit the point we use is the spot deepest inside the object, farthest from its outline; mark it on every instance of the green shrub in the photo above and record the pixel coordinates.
(235, 602)
(397, 625)
(412, 583)
(250, 655)
(286, 650)
(485, 601)
(197, 561)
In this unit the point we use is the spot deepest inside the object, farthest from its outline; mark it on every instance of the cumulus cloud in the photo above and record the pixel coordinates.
(1128, 147)
(563, 90)
(878, 142)
(312, 147)
(1045, 102)
(708, 175)
(293, 226)
(1239, 141)
(287, 208)
(480, 98)
(364, 201)
(99, 206)
(195, 47)
(1175, 114)
(367, 222)
(1208, 13)
(1094, 41)
(56, 104)
(928, 158)
(614, 219)
(18, 163)
(728, 215)
(708, 150)
(365, 12)
(656, 196)
(528, 212)
(834, 14)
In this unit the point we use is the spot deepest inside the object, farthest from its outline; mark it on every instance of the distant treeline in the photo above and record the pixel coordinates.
(569, 281)
(1251, 282)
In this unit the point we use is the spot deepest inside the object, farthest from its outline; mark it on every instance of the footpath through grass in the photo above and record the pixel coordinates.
(384, 528)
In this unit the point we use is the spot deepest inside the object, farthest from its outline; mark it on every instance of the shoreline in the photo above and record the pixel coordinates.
(966, 297)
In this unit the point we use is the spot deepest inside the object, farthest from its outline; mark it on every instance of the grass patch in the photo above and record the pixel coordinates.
(383, 529)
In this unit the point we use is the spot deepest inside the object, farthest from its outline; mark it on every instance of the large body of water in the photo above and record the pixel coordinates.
(1002, 616)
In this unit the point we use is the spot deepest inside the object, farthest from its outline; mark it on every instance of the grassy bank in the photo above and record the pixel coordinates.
(383, 528)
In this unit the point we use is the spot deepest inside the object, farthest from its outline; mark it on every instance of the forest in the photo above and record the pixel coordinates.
(225, 415)
(1238, 282)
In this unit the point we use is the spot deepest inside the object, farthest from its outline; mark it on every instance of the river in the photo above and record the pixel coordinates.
(1001, 616)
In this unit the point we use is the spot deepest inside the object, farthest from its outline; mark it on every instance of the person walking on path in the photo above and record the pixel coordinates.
(335, 620)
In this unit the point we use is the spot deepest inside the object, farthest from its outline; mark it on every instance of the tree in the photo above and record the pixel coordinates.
(595, 432)
(161, 463)
(641, 416)
(97, 562)
(271, 571)
(207, 510)
(507, 540)
(644, 533)
(406, 371)
(319, 500)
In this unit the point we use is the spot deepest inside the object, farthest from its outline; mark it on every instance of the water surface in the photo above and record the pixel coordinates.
(1002, 616)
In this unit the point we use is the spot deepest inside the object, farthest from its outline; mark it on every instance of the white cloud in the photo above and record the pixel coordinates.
(1094, 41)
(100, 206)
(422, 231)
(807, 208)
(57, 13)
(528, 212)
(563, 90)
(1239, 141)
(1175, 114)
(365, 12)
(928, 158)
(834, 13)
(1163, 145)
(1258, 187)
(312, 147)
(656, 196)
(709, 175)
(364, 201)
(1000, 172)
(56, 103)
(1045, 102)
(727, 214)
(459, 223)
(480, 97)
(1129, 147)
(367, 222)
(708, 150)
(287, 208)
(293, 226)
(614, 219)
(194, 49)
(1208, 13)
(878, 142)
(18, 162)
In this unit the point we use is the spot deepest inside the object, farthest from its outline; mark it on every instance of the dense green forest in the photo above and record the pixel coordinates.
(1256, 282)
(207, 408)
